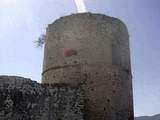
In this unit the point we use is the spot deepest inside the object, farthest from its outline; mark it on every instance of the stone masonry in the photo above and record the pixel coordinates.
(23, 99)
(92, 51)
(86, 74)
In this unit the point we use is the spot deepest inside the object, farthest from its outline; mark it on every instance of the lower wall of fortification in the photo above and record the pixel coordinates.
(23, 99)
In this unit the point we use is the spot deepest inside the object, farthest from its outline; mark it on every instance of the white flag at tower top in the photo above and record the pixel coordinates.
(80, 6)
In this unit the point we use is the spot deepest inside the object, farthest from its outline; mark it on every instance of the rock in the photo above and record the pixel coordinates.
(24, 99)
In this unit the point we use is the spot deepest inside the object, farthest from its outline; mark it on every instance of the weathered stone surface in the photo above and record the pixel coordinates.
(92, 50)
(23, 99)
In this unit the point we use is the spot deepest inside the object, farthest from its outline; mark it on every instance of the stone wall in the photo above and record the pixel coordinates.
(82, 39)
(92, 50)
(24, 99)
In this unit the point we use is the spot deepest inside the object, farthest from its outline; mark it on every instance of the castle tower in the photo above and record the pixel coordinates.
(92, 51)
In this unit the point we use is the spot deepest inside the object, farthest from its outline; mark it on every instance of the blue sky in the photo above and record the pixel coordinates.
(23, 21)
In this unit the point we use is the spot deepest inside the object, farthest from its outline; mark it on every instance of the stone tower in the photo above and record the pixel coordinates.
(92, 51)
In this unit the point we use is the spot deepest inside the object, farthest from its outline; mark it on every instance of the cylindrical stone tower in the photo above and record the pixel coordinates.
(92, 51)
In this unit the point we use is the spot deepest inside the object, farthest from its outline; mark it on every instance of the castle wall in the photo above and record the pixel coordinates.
(92, 51)
(23, 99)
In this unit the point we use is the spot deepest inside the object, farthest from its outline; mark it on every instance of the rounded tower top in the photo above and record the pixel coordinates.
(87, 38)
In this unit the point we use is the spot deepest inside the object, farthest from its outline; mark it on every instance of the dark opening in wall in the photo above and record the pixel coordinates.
(76, 112)
(92, 89)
